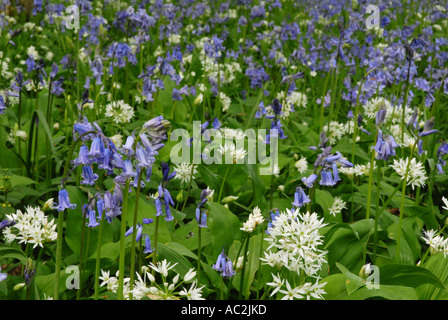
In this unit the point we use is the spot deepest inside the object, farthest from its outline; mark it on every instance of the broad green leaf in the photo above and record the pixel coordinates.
(346, 246)
(385, 292)
(20, 181)
(224, 227)
(437, 265)
(409, 276)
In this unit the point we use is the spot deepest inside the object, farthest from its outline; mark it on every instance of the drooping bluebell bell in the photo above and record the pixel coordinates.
(224, 265)
(385, 146)
(3, 275)
(64, 201)
(148, 248)
(2, 105)
(128, 170)
(91, 214)
(88, 176)
(309, 182)
(300, 198)
(326, 179)
(6, 223)
(428, 128)
(139, 232)
(272, 219)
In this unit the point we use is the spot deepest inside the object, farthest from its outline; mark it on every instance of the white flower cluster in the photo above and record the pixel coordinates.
(231, 151)
(356, 170)
(301, 165)
(337, 130)
(416, 175)
(119, 111)
(16, 133)
(154, 291)
(255, 219)
(295, 238)
(184, 171)
(30, 227)
(294, 99)
(308, 290)
(393, 113)
(337, 206)
(435, 241)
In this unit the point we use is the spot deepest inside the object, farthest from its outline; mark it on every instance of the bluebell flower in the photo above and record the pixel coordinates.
(64, 201)
(6, 223)
(158, 205)
(139, 232)
(148, 248)
(385, 146)
(97, 149)
(428, 128)
(310, 180)
(93, 221)
(3, 276)
(224, 265)
(326, 179)
(300, 198)
(128, 147)
(128, 170)
(2, 105)
(88, 176)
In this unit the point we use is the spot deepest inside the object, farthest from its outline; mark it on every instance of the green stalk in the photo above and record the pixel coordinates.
(369, 190)
(403, 192)
(58, 254)
(122, 240)
(81, 255)
(246, 248)
(134, 233)
(223, 183)
(98, 258)
(61, 221)
(199, 251)
(156, 232)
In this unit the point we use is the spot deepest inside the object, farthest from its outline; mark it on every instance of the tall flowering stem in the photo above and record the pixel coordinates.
(134, 234)
(122, 240)
(98, 257)
(403, 192)
(60, 222)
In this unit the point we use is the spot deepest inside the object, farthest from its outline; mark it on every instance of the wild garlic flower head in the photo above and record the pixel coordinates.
(301, 165)
(295, 238)
(146, 285)
(337, 206)
(119, 111)
(255, 219)
(435, 242)
(416, 175)
(32, 226)
(185, 171)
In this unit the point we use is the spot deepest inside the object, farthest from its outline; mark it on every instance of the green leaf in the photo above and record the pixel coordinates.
(43, 121)
(409, 276)
(224, 227)
(352, 281)
(20, 181)
(252, 261)
(346, 246)
(437, 265)
(386, 292)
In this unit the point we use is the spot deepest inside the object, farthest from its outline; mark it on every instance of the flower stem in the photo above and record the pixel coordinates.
(98, 258)
(134, 234)
(199, 251)
(243, 270)
(58, 254)
(156, 232)
(403, 192)
(122, 240)
(223, 183)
